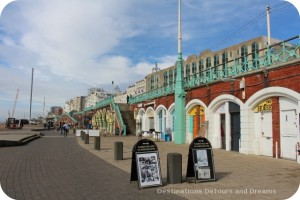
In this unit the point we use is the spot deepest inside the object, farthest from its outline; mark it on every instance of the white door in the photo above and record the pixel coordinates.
(288, 133)
(267, 134)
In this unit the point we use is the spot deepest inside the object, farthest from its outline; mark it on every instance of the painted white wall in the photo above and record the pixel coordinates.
(289, 99)
(289, 127)
(251, 124)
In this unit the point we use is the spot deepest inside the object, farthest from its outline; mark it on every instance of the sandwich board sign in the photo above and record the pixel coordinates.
(200, 161)
(145, 166)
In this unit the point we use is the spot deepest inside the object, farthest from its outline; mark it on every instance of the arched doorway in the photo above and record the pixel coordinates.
(197, 121)
(149, 119)
(235, 125)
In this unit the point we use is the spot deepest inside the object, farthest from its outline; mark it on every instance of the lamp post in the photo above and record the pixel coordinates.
(180, 94)
(31, 93)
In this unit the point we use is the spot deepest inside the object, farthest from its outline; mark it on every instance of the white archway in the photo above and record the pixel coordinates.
(140, 119)
(289, 108)
(160, 118)
(195, 122)
(219, 118)
(170, 120)
(149, 119)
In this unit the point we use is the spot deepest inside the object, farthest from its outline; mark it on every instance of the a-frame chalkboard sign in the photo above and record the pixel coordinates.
(200, 161)
(145, 166)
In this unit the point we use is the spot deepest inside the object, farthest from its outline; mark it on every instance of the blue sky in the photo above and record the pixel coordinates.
(74, 45)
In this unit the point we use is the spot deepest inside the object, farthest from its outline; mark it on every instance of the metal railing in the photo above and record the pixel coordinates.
(278, 53)
(106, 102)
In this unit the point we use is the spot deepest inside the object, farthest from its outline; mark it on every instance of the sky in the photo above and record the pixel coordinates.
(74, 45)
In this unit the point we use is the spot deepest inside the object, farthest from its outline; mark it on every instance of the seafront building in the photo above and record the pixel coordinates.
(243, 98)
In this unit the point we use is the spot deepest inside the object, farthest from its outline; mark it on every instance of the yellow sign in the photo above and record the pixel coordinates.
(264, 106)
(194, 111)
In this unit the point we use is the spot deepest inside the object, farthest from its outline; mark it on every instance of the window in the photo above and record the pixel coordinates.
(171, 77)
(152, 83)
(201, 68)
(244, 53)
(224, 61)
(187, 71)
(165, 78)
(216, 60)
(194, 67)
(254, 50)
(208, 62)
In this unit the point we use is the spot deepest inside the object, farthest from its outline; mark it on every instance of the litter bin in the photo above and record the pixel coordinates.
(167, 137)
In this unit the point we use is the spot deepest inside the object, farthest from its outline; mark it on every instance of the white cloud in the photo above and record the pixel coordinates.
(75, 44)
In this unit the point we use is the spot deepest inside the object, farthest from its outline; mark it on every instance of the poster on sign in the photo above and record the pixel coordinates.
(148, 169)
(200, 160)
(202, 168)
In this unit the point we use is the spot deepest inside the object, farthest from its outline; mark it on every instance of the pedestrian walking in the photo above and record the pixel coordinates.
(61, 127)
(66, 129)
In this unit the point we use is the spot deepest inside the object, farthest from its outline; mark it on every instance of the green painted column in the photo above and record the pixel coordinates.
(180, 117)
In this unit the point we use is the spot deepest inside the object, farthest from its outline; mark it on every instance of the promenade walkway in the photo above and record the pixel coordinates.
(238, 176)
(57, 167)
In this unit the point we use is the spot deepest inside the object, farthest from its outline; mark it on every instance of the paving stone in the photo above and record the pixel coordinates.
(58, 168)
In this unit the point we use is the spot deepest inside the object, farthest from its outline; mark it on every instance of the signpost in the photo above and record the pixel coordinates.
(200, 161)
(145, 166)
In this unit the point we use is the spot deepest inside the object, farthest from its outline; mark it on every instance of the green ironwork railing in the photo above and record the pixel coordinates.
(103, 103)
(272, 55)
(118, 112)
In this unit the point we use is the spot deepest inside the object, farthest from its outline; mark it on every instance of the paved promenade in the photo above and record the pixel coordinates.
(56, 167)
(238, 176)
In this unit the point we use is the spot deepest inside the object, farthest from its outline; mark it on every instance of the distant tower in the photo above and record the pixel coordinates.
(154, 71)
(180, 114)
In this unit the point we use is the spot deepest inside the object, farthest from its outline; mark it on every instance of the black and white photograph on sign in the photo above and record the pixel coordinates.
(148, 169)
(202, 160)
(202, 168)
(203, 173)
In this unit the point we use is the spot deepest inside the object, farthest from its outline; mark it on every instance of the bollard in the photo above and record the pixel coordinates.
(174, 168)
(97, 143)
(118, 150)
(82, 135)
(86, 138)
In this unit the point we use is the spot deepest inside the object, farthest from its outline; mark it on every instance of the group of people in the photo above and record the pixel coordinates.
(48, 125)
(64, 128)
